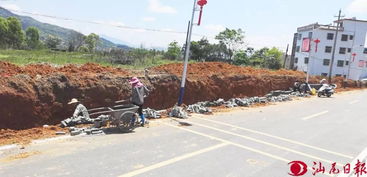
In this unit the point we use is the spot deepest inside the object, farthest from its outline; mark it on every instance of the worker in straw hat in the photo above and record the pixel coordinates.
(80, 116)
(139, 92)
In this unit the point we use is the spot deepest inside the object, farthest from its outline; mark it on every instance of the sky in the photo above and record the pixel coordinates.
(267, 23)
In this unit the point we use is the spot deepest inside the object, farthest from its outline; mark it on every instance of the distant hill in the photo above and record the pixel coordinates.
(48, 29)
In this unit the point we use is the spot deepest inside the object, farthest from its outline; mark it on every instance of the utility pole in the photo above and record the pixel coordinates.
(187, 52)
(308, 63)
(334, 47)
(286, 56)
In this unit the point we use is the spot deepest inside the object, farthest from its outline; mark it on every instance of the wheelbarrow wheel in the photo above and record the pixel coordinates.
(127, 122)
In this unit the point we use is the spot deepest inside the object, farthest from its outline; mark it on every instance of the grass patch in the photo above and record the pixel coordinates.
(24, 57)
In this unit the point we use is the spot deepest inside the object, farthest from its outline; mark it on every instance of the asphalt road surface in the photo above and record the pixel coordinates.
(243, 142)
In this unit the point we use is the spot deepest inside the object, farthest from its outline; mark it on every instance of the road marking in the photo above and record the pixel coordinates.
(237, 145)
(173, 160)
(265, 143)
(315, 115)
(362, 157)
(280, 138)
(354, 102)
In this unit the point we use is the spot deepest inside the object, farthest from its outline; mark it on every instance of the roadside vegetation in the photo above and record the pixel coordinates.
(27, 47)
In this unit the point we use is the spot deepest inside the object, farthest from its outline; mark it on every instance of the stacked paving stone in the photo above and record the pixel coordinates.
(151, 113)
(274, 96)
(178, 112)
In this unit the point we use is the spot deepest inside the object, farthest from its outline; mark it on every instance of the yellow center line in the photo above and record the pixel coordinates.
(265, 143)
(238, 145)
(315, 115)
(280, 138)
(173, 160)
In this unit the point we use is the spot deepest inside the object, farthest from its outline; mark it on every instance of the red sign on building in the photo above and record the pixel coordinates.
(306, 45)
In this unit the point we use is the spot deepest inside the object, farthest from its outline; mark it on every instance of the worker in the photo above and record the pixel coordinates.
(139, 92)
(80, 116)
(323, 81)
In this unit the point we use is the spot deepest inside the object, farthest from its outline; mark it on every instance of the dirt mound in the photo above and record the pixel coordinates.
(34, 95)
(218, 68)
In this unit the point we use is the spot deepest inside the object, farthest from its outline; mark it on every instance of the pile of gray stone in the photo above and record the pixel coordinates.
(179, 112)
(76, 121)
(152, 114)
(88, 131)
(204, 107)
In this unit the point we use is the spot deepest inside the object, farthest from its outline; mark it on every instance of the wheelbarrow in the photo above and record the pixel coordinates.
(123, 117)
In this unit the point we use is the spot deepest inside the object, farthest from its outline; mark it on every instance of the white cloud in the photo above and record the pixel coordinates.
(215, 28)
(157, 7)
(148, 19)
(358, 6)
(11, 7)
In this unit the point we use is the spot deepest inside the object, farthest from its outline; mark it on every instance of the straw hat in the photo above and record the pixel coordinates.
(74, 100)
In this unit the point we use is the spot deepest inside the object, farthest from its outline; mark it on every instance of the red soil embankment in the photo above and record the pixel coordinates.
(34, 95)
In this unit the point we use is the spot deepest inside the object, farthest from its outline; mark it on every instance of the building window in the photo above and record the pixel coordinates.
(330, 36)
(298, 48)
(340, 63)
(346, 63)
(299, 36)
(351, 37)
(338, 75)
(344, 37)
(328, 49)
(365, 51)
(310, 35)
(324, 74)
(342, 50)
(306, 60)
(295, 60)
(349, 50)
(326, 62)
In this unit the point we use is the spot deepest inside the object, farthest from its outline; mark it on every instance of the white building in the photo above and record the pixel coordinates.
(351, 40)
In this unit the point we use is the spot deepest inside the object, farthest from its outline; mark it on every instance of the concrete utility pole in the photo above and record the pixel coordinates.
(286, 56)
(334, 47)
(187, 52)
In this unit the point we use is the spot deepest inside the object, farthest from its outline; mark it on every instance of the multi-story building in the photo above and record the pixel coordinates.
(350, 59)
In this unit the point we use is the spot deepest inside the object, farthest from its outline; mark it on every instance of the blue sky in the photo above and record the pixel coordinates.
(267, 23)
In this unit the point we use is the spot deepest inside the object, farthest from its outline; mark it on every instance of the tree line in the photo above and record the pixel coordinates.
(13, 37)
(231, 48)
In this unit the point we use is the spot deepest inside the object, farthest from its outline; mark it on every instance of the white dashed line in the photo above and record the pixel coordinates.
(315, 115)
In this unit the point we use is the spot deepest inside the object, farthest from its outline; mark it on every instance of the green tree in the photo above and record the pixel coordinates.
(273, 59)
(258, 57)
(76, 40)
(52, 41)
(32, 38)
(201, 50)
(91, 42)
(3, 32)
(15, 35)
(241, 58)
(232, 39)
(174, 51)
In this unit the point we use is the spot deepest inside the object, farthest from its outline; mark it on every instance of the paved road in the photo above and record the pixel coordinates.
(245, 142)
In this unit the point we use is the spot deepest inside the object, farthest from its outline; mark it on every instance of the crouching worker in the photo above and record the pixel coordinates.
(80, 116)
(139, 92)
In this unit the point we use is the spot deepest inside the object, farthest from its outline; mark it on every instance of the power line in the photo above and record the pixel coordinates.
(101, 23)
